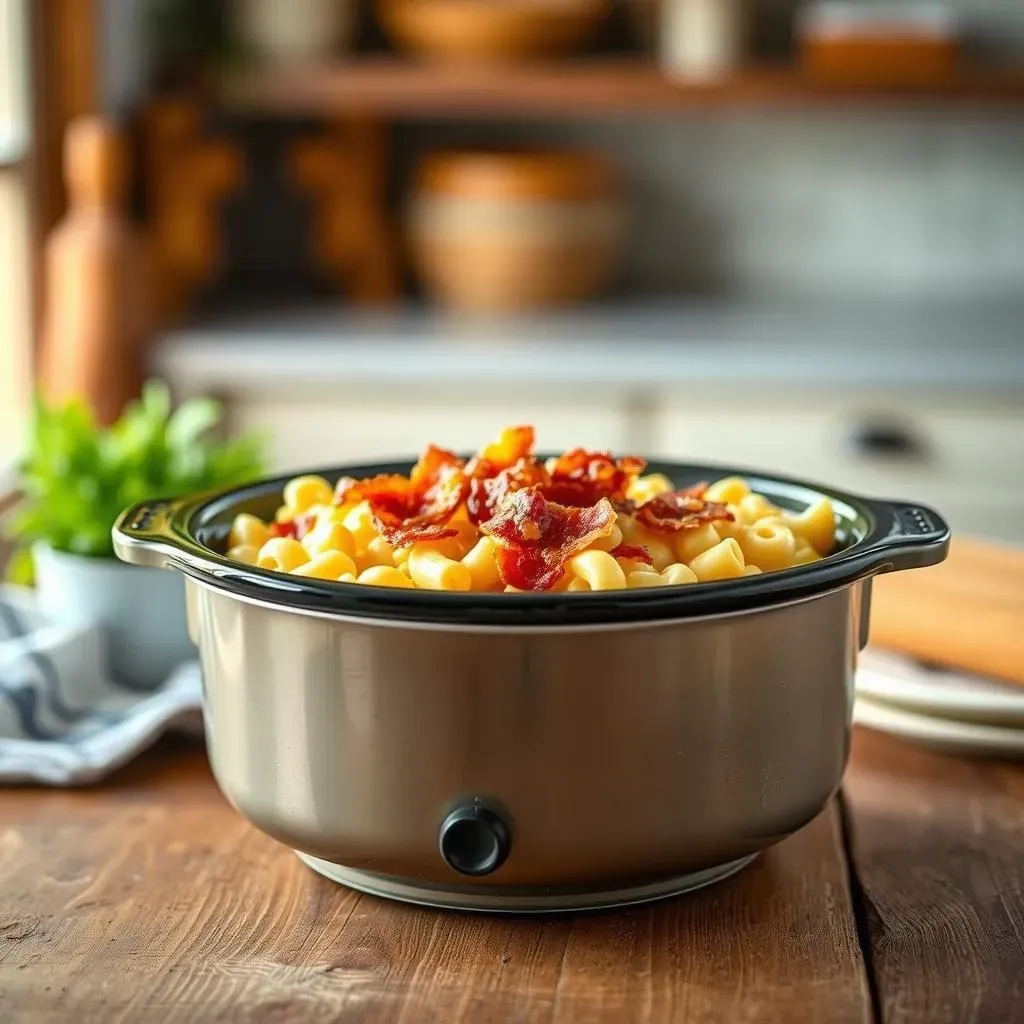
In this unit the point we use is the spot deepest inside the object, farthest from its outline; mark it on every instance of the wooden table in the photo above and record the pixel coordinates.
(149, 899)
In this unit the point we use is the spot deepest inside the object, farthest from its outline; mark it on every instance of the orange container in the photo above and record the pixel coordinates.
(881, 45)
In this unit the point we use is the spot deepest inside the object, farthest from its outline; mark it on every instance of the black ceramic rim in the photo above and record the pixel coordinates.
(875, 536)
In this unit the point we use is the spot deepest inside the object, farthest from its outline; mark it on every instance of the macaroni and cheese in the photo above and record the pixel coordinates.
(506, 521)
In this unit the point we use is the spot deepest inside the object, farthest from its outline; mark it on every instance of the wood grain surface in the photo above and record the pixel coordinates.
(967, 612)
(150, 899)
(938, 850)
(597, 87)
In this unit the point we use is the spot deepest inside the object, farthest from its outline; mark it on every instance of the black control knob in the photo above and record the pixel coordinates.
(474, 839)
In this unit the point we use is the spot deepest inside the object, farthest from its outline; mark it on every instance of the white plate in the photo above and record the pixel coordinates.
(940, 733)
(892, 680)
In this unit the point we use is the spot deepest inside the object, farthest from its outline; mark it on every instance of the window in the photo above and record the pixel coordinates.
(15, 249)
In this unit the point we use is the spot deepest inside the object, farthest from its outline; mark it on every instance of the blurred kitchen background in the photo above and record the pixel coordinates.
(773, 233)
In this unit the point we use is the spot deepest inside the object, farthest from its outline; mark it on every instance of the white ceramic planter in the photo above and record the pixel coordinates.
(142, 610)
(290, 31)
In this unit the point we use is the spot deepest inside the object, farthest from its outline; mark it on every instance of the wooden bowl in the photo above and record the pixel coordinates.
(506, 232)
(490, 31)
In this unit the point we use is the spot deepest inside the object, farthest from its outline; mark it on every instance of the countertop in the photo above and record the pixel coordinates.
(939, 345)
(150, 899)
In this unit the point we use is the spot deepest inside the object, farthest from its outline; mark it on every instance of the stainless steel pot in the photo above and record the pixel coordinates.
(529, 752)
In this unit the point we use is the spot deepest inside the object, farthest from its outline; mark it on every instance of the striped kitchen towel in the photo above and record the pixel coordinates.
(64, 719)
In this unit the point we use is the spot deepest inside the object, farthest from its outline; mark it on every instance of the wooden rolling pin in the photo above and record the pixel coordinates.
(967, 613)
(95, 317)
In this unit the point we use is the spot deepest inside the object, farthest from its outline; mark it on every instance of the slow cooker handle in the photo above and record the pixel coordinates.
(904, 536)
(145, 534)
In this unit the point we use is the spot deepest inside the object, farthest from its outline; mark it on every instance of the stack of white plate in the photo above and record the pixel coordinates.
(941, 709)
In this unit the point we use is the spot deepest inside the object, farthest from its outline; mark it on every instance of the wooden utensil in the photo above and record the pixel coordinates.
(96, 313)
(967, 613)
(189, 177)
(344, 171)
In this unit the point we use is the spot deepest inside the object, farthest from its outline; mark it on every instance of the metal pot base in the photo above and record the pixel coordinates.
(518, 901)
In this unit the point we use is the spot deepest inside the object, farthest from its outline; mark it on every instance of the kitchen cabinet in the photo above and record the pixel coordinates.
(875, 437)
(961, 452)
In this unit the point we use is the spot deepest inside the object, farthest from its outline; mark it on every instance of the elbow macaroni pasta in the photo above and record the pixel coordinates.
(597, 569)
(285, 554)
(722, 562)
(343, 543)
(431, 570)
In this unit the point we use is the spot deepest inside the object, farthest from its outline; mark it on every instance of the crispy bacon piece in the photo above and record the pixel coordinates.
(582, 478)
(296, 528)
(677, 511)
(514, 444)
(498, 469)
(536, 537)
(386, 488)
(695, 491)
(413, 533)
(342, 489)
(435, 465)
(417, 507)
(487, 493)
(628, 507)
(634, 551)
(578, 478)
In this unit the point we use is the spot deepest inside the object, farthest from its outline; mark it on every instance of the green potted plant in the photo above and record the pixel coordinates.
(77, 478)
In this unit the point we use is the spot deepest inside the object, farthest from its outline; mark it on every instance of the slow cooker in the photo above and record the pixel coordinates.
(529, 752)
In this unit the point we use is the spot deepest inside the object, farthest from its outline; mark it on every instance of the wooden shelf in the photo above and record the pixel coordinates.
(397, 88)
